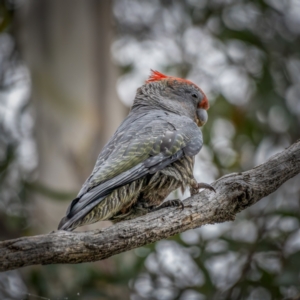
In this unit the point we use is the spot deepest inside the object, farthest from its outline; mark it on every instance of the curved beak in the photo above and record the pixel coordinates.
(202, 117)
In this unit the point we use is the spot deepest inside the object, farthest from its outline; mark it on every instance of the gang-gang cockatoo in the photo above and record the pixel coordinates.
(150, 155)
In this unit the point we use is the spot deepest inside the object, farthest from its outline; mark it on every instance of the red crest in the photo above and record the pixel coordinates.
(156, 76)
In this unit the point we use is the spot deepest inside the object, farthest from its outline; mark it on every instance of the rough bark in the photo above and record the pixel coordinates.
(234, 193)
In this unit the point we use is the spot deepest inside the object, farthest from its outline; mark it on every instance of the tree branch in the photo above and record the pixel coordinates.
(235, 192)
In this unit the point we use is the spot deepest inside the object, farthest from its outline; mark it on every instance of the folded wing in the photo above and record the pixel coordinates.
(145, 146)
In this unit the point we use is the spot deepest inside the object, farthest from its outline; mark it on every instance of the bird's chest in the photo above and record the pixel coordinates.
(181, 170)
(179, 174)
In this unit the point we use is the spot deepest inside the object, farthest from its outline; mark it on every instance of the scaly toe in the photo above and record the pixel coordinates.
(169, 203)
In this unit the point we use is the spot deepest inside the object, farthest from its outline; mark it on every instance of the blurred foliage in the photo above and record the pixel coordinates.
(246, 56)
(13, 215)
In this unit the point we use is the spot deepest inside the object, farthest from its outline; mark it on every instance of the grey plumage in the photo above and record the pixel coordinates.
(149, 156)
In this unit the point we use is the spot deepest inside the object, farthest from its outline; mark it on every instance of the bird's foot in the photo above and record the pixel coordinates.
(169, 203)
(201, 185)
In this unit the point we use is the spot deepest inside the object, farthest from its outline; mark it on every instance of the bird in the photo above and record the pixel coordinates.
(149, 156)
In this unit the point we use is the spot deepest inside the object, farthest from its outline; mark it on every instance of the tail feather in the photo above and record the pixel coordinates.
(62, 222)
(70, 221)
(73, 203)
(68, 217)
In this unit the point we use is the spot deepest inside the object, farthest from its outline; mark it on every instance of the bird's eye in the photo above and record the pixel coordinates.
(195, 96)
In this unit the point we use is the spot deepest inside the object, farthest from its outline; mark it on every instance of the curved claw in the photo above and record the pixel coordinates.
(202, 185)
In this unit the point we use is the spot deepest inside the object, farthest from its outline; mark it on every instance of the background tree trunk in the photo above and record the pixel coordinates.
(67, 47)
